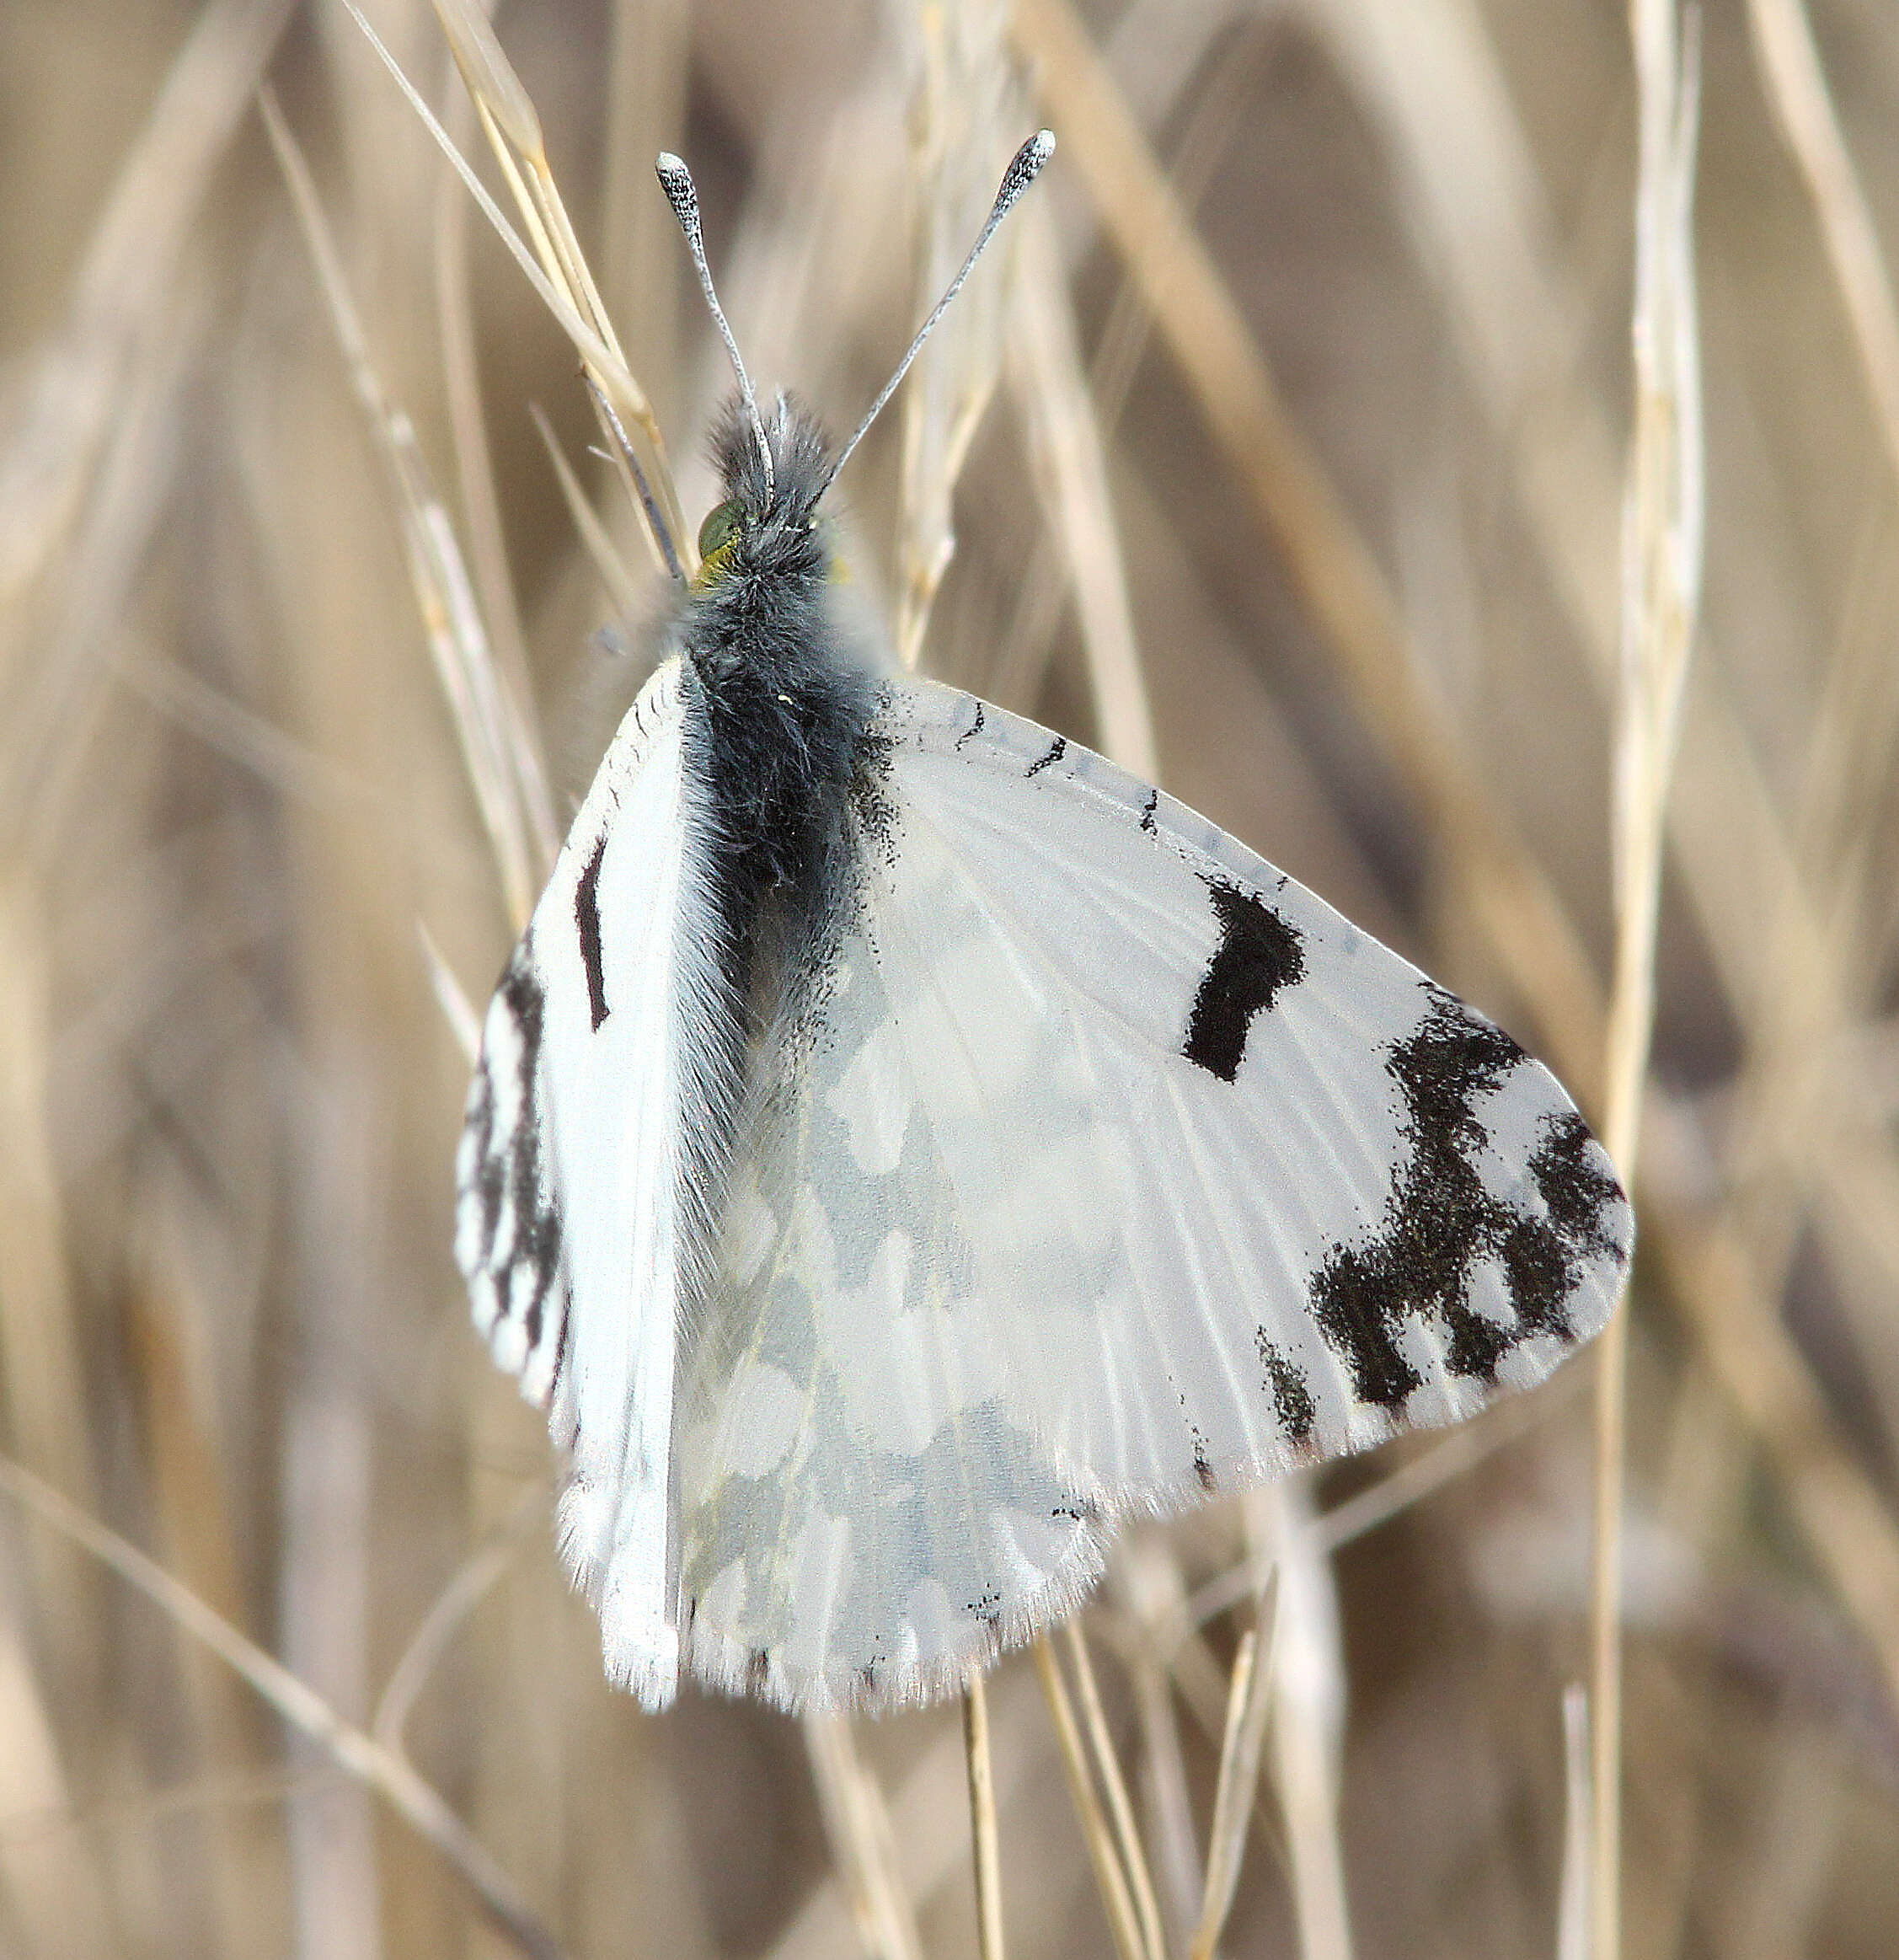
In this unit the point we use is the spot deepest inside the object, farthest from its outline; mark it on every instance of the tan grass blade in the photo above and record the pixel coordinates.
(1441, 1462)
(54, 1887)
(1573, 1940)
(595, 537)
(474, 473)
(1309, 1705)
(1796, 86)
(41, 1365)
(58, 633)
(1117, 1896)
(417, 1803)
(464, 1024)
(1249, 1707)
(74, 401)
(472, 1580)
(926, 1807)
(862, 1847)
(486, 720)
(554, 269)
(1661, 588)
(963, 117)
(514, 131)
(1017, 668)
(649, 53)
(38, 1336)
(244, 1849)
(1149, 1585)
(986, 1850)
(1107, 1766)
(1071, 465)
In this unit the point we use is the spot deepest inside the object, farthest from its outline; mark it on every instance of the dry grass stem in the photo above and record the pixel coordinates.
(984, 1848)
(862, 1847)
(1110, 1877)
(927, 1811)
(962, 118)
(1573, 1940)
(471, 1584)
(1309, 1690)
(556, 268)
(1072, 473)
(1796, 84)
(1107, 1767)
(515, 807)
(589, 526)
(1842, 1518)
(1150, 1591)
(457, 1011)
(1662, 577)
(361, 1756)
(514, 131)
(74, 403)
(1434, 1467)
(474, 470)
(1249, 1708)
(1020, 662)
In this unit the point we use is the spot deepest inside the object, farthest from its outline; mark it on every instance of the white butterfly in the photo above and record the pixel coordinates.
(904, 1145)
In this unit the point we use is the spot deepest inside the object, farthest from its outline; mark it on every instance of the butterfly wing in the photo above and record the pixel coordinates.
(570, 1227)
(1109, 1168)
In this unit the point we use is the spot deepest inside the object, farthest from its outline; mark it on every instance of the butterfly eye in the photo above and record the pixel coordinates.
(720, 527)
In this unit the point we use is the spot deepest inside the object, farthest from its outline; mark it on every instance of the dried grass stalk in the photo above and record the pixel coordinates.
(1249, 1707)
(1107, 1766)
(1309, 1690)
(985, 1849)
(367, 1761)
(962, 118)
(1071, 476)
(1572, 1906)
(1110, 1878)
(862, 1847)
(1661, 588)
(501, 761)
(556, 268)
(1796, 86)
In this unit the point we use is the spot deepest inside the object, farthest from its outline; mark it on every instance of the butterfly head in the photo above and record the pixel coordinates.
(767, 523)
(777, 466)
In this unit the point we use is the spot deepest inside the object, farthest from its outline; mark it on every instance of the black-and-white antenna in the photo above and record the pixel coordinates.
(677, 181)
(1023, 170)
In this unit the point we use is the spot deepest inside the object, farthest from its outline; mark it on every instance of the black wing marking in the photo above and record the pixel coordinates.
(1440, 1220)
(586, 921)
(1260, 951)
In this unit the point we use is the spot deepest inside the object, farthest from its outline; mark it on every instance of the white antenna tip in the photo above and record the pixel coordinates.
(677, 181)
(1024, 167)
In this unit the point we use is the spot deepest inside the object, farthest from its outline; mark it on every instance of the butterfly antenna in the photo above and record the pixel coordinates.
(677, 181)
(1024, 168)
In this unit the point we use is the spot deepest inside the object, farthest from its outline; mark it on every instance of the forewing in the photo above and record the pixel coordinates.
(1113, 1168)
(1342, 1202)
(569, 1229)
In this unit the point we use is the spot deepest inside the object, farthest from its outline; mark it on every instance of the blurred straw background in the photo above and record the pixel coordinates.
(1288, 446)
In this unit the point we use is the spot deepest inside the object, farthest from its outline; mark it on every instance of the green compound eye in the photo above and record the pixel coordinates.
(720, 527)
